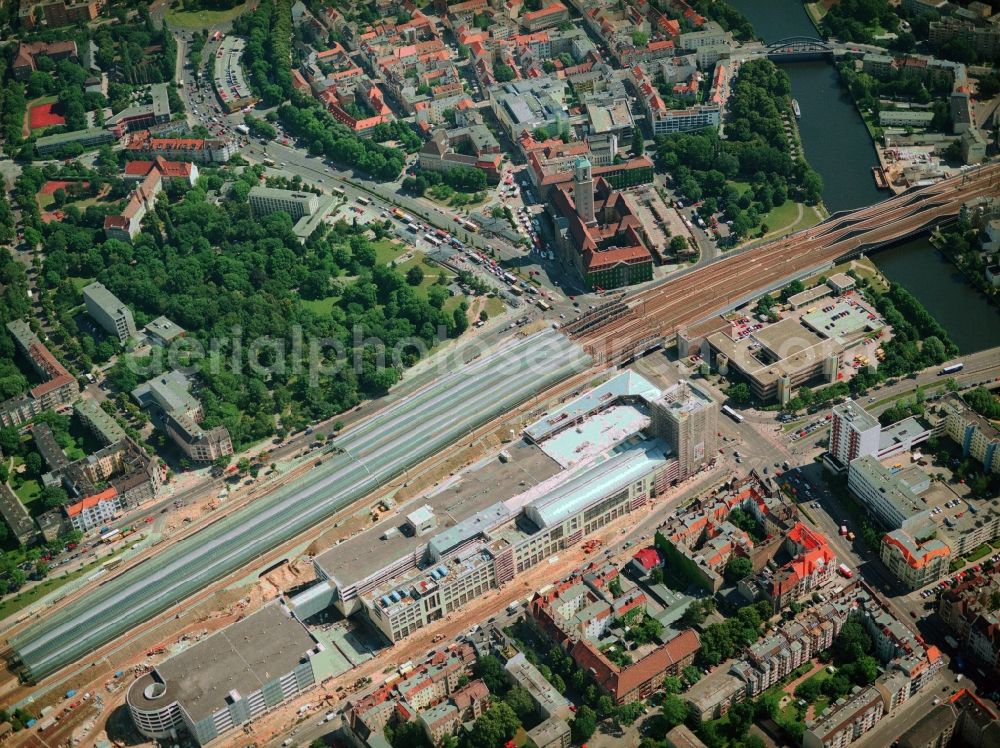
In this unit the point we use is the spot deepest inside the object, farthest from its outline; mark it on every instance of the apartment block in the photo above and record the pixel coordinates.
(58, 389)
(916, 561)
(853, 433)
(848, 719)
(179, 413)
(109, 312)
(976, 435)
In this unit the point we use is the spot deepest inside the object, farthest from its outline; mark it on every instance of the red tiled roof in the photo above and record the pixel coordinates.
(91, 501)
(546, 11)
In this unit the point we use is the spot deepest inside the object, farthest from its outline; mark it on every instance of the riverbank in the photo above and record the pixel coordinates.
(817, 12)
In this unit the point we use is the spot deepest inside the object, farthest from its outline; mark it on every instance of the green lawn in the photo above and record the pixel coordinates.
(79, 283)
(320, 306)
(494, 306)
(201, 19)
(28, 492)
(386, 251)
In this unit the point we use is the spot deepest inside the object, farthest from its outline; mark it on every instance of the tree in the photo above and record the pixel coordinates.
(674, 711)
(503, 73)
(738, 567)
(640, 38)
(409, 734)
(808, 690)
(672, 684)
(678, 244)
(10, 440)
(521, 702)
(691, 674)
(638, 142)
(415, 275)
(615, 587)
(34, 463)
(628, 713)
(583, 724)
(740, 393)
(852, 642)
(491, 672)
(494, 727)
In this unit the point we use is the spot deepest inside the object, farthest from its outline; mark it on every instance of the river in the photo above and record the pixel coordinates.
(836, 143)
(834, 138)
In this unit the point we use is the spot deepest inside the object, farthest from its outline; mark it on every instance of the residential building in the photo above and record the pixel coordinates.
(977, 436)
(794, 643)
(116, 478)
(853, 433)
(95, 510)
(711, 697)
(58, 389)
(71, 14)
(179, 413)
(100, 423)
(917, 7)
(108, 311)
(918, 560)
(230, 678)
(811, 565)
(967, 609)
(846, 720)
(548, 701)
(143, 145)
(15, 514)
(984, 39)
(892, 497)
(551, 733)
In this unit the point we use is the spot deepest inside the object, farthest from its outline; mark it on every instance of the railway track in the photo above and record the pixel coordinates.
(662, 310)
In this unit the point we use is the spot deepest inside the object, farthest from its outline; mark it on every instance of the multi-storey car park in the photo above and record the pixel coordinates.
(396, 439)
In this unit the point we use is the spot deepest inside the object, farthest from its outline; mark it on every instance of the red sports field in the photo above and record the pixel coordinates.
(49, 188)
(41, 115)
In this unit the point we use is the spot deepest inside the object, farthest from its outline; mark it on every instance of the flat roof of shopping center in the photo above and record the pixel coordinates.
(473, 491)
(626, 384)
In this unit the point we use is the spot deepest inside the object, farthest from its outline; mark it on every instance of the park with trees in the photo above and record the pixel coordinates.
(751, 171)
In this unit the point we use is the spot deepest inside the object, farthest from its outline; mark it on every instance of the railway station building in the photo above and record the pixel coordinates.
(596, 459)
